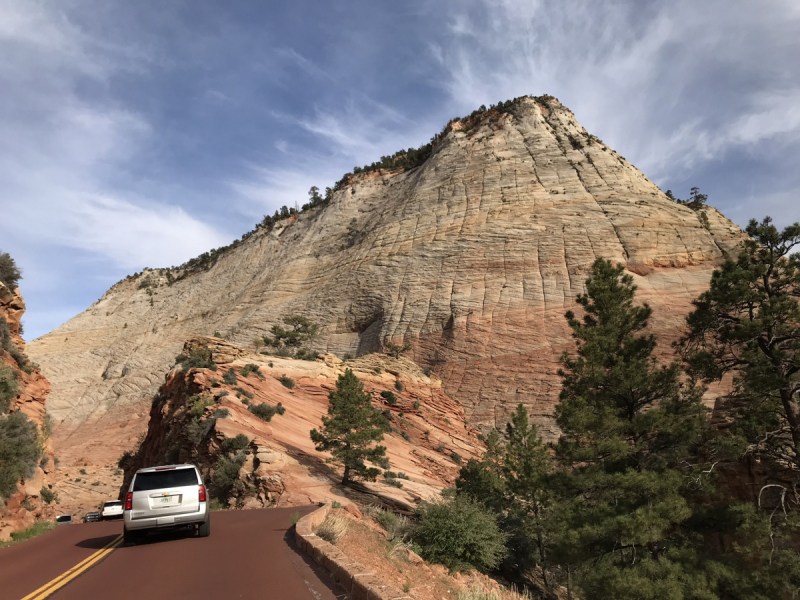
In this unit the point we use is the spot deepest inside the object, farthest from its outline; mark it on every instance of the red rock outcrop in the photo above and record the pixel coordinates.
(282, 466)
(24, 507)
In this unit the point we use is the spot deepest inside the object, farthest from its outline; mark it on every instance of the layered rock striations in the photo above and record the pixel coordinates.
(197, 410)
(472, 258)
(26, 503)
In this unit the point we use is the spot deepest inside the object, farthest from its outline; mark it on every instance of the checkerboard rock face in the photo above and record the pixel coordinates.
(472, 258)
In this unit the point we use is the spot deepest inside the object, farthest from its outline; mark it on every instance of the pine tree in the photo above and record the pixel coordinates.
(627, 426)
(513, 480)
(350, 429)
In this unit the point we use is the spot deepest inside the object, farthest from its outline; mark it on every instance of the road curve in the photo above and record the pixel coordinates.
(249, 554)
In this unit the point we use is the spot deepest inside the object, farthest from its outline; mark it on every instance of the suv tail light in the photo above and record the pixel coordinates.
(202, 493)
(129, 501)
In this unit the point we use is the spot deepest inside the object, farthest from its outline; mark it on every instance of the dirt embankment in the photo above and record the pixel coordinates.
(196, 410)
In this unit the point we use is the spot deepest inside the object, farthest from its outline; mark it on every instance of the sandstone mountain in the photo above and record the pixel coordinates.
(30, 390)
(472, 258)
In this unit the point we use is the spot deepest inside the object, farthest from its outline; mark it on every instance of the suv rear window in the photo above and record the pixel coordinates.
(156, 480)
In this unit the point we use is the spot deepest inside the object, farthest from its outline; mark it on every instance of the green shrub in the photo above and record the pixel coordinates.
(37, 528)
(8, 345)
(336, 504)
(199, 358)
(460, 534)
(235, 444)
(265, 411)
(456, 457)
(386, 519)
(295, 517)
(9, 272)
(44, 462)
(222, 413)
(250, 368)
(47, 495)
(217, 504)
(287, 382)
(19, 451)
(416, 405)
(243, 392)
(95, 484)
(390, 398)
(394, 483)
(124, 459)
(398, 528)
(226, 475)
(229, 377)
(8, 386)
(402, 475)
(197, 429)
(199, 404)
(82, 471)
(399, 385)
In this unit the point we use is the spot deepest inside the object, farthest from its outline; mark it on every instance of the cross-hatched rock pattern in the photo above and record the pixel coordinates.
(472, 258)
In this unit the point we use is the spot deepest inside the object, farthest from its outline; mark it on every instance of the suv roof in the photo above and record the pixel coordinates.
(164, 468)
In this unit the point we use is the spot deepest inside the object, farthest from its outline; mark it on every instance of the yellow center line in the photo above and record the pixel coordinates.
(63, 579)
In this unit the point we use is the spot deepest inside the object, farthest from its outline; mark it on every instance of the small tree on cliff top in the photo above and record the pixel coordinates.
(350, 428)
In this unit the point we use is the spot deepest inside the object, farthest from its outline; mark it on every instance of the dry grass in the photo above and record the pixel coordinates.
(332, 528)
(479, 593)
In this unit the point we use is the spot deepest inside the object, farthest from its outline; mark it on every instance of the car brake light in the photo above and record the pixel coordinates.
(202, 493)
(129, 501)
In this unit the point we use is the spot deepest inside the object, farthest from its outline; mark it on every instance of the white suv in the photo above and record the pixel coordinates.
(162, 498)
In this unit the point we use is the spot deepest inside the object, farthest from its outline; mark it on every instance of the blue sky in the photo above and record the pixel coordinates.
(138, 134)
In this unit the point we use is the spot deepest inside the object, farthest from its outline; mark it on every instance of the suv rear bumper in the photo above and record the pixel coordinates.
(167, 522)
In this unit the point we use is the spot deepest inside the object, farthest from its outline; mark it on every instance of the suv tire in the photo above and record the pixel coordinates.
(204, 530)
(129, 538)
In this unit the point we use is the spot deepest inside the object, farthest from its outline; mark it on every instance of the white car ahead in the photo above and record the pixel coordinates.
(111, 509)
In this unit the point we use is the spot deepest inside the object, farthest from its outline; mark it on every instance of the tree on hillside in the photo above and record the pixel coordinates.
(299, 332)
(748, 323)
(627, 426)
(350, 429)
(513, 480)
(9, 271)
(395, 350)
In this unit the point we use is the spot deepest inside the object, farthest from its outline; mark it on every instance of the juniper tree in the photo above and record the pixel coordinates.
(350, 429)
(627, 424)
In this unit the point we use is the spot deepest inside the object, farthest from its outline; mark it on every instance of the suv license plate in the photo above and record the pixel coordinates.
(167, 500)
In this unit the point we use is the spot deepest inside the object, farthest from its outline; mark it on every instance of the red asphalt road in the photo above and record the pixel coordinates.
(249, 554)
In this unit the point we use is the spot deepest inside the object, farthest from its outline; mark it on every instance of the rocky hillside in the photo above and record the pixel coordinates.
(472, 258)
(198, 412)
(27, 462)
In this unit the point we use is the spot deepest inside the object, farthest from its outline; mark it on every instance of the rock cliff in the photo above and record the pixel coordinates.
(195, 411)
(472, 258)
(28, 395)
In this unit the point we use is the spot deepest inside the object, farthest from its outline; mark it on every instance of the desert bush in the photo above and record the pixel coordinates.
(243, 392)
(456, 458)
(336, 504)
(37, 528)
(394, 483)
(265, 411)
(199, 404)
(44, 462)
(287, 382)
(402, 475)
(47, 495)
(19, 451)
(460, 534)
(333, 528)
(399, 385)
(250, 368)
(479, 593)
(197, 429)
(390, 398)
(8, 387)
(124, 459)
(229, 377)
(389, 474)
(8, 345)
(222, 413)
(198, 358)
(9, 271)
(82, 471)
(398, 527)
(217, 504)
(226, 474)
(235, 444)
(294, 518)
(416, 404)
